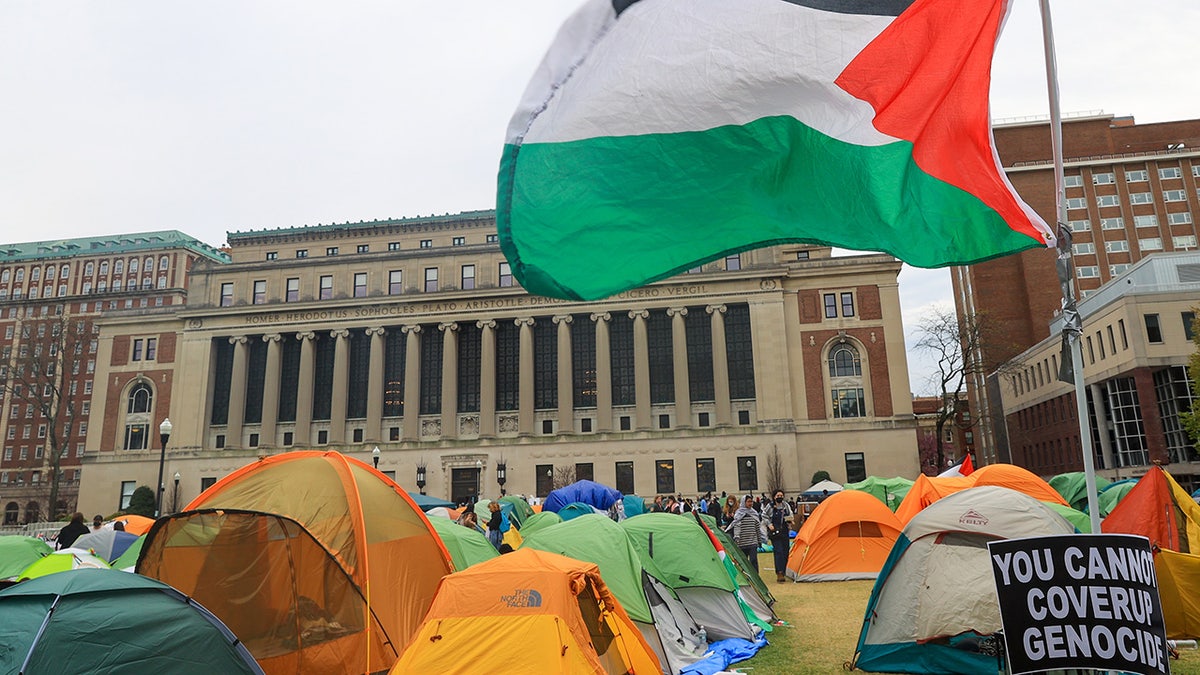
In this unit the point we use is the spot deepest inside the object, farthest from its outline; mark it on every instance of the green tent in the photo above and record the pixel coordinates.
(890, 491)
(539, 520)
(521, 509)
(656, 610)
(128, 559)
(1113, 494)
(100, 621)
(1081, 520)
(749, 576)
(1073, 488)
(18, 552)
(425, 502)
(466, 545)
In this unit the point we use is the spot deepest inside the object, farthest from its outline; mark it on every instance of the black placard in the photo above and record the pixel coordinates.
(1080, 601)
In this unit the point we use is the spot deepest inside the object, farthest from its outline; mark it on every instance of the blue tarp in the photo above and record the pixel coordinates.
(593, 494)
(724, 653)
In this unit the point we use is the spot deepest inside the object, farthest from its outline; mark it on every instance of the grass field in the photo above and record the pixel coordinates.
(823, 625)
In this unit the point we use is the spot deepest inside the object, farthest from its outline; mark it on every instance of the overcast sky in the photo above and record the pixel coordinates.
(135, 115)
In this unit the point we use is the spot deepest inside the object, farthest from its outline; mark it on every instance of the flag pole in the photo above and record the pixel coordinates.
(1072, 328)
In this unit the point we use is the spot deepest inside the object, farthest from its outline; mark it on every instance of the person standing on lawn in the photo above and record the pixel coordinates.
(748, 530)
(778, 515)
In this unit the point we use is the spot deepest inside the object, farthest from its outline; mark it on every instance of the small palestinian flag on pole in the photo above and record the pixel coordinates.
(661, 134)
(731, 570)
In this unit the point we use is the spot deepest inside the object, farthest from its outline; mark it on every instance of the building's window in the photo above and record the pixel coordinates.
(468, 277)
(363, 248)
(1139, 198)
(664, 421)
(703, 419)
(545, 365)
(163, 262)
(847, 304)
(393, 246)
(272, 255)
(585, 425)
(506, 277)
(426, 243)
(547, 427)
(293, 290)
(1073, 181)
(431, 279)
(697, 325)
(1117, 223)
(1088, 272)
(41, 432)
(584, 471)
(137, 436)
(430, 381)
(1153, 329)
(260, 292)
(127, 488)
(458, 241)
(830, 300)
(1145, 221)
(1174, 196)
(626, 423)
(470, 345)
(493, 238)
(1184, 242)
(733, 262)
(1116, 246)
(331, 250)
(395, 282)
(1124, 338)
(137, 351)
(227, 294)
(849, 402)
(1189, 324)
(1114, 270)
(747, 474)
(661, 359)
(583, 362)
(301, 253)
(856, 465)
(254, 439)
(1150, 244)
(103, 269)
(1137, 176)
(1182, 218)
(801, 255)
(393, 373)
(323, 437)
(1106, 178)
(1196, 170)
(844, 362)
(664, 476)
(1084, 248)
(620, 334)
(326, 287)
(288, 438)
(706, 475)
(544, 478)
(1076, 203)
(360, 284)
(739, 352)
(1169, 172)
(743, 417)
(207, 482)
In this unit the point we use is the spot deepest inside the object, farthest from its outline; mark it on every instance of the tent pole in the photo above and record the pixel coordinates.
(1072, 330)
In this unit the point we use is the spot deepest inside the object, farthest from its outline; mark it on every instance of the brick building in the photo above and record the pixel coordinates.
(1132, 190)
(958, 433)
(51, 293)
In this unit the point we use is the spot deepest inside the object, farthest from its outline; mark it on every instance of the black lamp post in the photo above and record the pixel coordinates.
(478, 478)
(501, 470)
(421, 477)
(175, 496)
(375, 457)
(164, 435)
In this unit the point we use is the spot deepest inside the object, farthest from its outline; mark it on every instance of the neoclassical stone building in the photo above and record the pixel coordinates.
(412, 336)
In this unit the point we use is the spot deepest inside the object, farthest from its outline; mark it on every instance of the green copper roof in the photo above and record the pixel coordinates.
(109, 244)
(415, 221)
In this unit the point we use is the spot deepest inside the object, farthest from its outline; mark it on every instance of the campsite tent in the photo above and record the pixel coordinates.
(756, 593)
(133, 523)
(538, 521)
(96, 621)
(425, 502)
(592, 494)
(927, 490)
(368, 530)
(128, 560)
(935, 601)
(575, 510)
(689, 564)
(1112, 495)
(664, 622)
(1160, 510)
(107, 544)
(633, 505)
(849, 536)
(821, 490)
(466, 545)
(521, 509)
(1073, 488)
(62, 560)
(18, 552)
(890, 491)
(1079, 519)
(527, 612)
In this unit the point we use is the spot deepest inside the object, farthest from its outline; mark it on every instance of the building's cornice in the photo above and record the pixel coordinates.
(118, 244)
(372, 227)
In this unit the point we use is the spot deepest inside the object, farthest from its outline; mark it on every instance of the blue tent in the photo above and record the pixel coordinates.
(574, 510)
(593, 494)
(634, 505)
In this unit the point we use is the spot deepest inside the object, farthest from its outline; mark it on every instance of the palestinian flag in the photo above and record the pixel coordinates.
(661, 134)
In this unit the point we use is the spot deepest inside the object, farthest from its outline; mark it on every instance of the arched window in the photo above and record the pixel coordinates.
(847, 390)
(103, 267)
(33, 512)
(133, 265)
(139, 410)
(844, 362)
(12, 511)
(140, 398)
(89, 268)
(163, 261)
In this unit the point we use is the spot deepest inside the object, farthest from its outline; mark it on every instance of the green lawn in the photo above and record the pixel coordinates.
(823, 625)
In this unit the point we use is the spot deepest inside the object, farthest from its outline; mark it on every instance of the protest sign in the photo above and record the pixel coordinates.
(1080, 601)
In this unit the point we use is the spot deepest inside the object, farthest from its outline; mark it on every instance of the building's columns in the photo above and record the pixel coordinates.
(772, 382)
(237, 392)
(566, 390)
(304, 389)
(604, 412)
(374, 428)
(1106, 449)
(641, 369)
(525, 406)
(270, 408)
(412, 383)
(487, 377)
(679, 358)
(724, 407)
(795, 352)
(341, 380)
(449, 379)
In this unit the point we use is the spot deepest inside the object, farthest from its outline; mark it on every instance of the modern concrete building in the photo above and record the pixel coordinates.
(411, 336)
(1132, 190)
(1137, 339)
(51, 293)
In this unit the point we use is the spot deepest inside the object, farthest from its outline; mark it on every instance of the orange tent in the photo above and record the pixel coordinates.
(527, 612)
(364, 528)
(135, 524)
(926, 490)
(848, 536)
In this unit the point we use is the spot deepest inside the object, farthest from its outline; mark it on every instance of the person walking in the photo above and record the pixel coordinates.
(748, 530)
(731, 507)
(72, 531)
(494, 532)
(778, 515)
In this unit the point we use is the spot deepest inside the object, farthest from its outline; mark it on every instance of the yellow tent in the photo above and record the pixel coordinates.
(527, 612)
